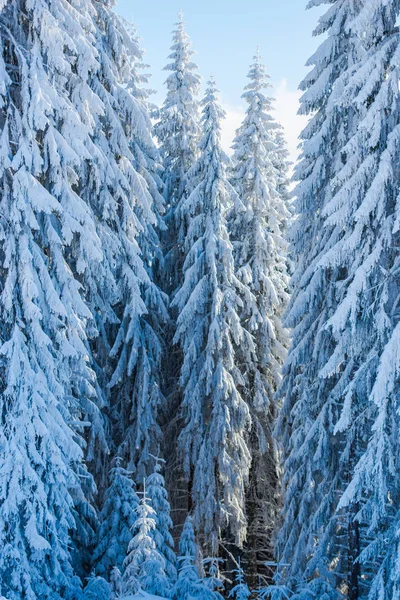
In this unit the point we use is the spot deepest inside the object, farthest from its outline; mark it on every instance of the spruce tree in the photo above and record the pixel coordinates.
(307, 421)
(240, 590)
(212, 582)
(188, 582)
(158, 497)
(116, 582)
(282, 164)
(212, 442)
(117, 518)
(84, 226)
(47, 383)
(366, 318)
(97, 589)
(339, 309)
(178, 132)
(144, 564)
(129, 213)
(257, 227)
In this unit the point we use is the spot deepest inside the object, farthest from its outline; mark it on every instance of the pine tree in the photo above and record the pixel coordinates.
(83, 226)
(130, 213)
(257, 227)
(338, 312)
(117, 519)
(212, 582)
(97, 589)
(240, 590)
(178, 133)
(282, 164)
(158, 497)
(188, 581)
(116, 582)
(177, 130)
(47, 383)
(144, 564)
(213, 441)
(367, 314)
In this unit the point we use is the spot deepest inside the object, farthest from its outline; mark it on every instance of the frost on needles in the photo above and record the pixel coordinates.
(213, 440)
(257, 227)
(337, 426)
(44, 316)
(141, 291)
(73, 206)
(178, 132)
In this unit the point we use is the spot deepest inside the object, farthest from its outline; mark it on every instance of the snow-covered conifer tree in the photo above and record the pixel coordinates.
(309, 414)
(47, 382)
(282, 164)
(187, 541)
(188, 582)
(240, 590)
(366, 317)
(69, 122)
(213, 440)
(144, 564)
(277, 590)
(257, 233)
(158, 497)
(342, 310)
(116, 582)
(212, 581)
(97, 589)
(178, 133)
(117, 518)
(129, 211)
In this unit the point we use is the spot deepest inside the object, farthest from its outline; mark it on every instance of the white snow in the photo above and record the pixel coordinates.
(141, 596)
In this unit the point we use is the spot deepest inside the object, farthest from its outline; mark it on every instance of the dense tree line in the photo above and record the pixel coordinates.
(155, 436)
(135, 319)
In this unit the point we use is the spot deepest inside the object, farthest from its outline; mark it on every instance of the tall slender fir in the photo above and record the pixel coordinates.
(213, 441)
(117, 519)
(178, 133)
(257, 228)
(144, 565)
(158, 497)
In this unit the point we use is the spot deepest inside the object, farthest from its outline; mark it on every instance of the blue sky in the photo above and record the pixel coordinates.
(225, 35)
